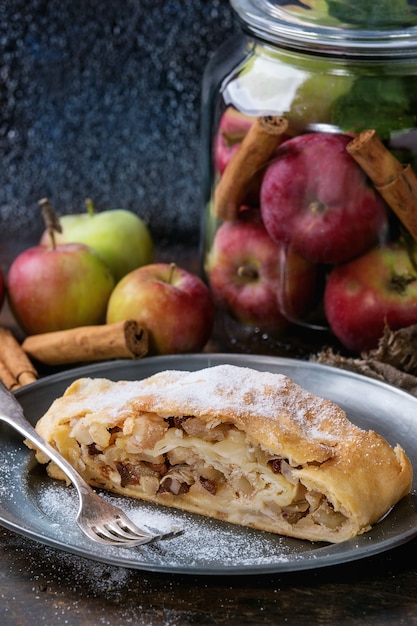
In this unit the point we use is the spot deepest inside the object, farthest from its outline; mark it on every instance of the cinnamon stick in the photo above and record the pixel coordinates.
(15, 360)
(7, 378)
(396, 183)
(125, 339)
(257, 147)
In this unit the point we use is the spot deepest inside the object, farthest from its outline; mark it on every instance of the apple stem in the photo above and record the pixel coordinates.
(245, 271)
(90, 206)
(317, 207)
(172, 268)
(410, 246)
(51, 220)
(399, 283)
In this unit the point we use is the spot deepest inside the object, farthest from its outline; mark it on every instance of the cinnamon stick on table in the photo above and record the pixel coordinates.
(125, 339)
(396, 183)
(257, 147)
(14, 362)
(7, 378)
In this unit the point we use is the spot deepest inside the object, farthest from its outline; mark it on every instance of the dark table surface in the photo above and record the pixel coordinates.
(43, 585)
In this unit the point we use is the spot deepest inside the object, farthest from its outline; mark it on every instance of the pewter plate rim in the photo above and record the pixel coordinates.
(368, 403)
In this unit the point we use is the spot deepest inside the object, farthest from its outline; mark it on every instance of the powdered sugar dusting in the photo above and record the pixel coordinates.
(204, 543)
(108, 397)
(224, 389)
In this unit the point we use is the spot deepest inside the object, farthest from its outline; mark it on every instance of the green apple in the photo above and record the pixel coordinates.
(120, 237)
(302, 88)
(313, 100)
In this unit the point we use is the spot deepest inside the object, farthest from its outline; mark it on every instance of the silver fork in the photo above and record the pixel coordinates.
(98, 519)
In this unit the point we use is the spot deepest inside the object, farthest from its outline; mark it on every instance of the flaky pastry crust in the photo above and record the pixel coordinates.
(252, 448)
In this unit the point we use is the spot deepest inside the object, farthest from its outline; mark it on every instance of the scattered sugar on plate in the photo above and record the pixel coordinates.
(204, 543)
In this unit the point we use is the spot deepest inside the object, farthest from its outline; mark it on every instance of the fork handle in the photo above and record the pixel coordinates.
(12, 414)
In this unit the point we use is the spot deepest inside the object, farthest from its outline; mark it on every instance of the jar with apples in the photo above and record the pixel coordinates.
(309, 143)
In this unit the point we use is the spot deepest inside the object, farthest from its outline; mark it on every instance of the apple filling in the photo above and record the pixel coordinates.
(210, 468)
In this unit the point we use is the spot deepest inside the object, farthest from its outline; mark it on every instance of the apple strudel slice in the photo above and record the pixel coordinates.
(249, 447)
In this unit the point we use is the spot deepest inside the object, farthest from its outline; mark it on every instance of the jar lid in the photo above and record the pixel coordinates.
(352, 27)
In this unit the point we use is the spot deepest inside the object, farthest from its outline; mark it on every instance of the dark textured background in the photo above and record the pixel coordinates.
(102, 99)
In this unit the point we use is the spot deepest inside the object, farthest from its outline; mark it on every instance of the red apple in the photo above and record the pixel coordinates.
(233, 126)
(250, 275)
(315, 197)
(173, 304)
(377, 288)
(2, 289)
(232, 129)
(55, 288)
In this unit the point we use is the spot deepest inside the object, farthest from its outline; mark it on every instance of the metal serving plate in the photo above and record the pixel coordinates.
(37, 507)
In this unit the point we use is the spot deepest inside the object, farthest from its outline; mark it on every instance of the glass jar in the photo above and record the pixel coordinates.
(309, 132)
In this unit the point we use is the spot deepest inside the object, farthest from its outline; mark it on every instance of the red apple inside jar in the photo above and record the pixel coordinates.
(309, 186)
